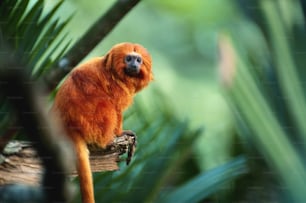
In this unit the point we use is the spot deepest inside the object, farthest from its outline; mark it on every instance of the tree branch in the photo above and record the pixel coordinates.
(90, 39)
(22, 165)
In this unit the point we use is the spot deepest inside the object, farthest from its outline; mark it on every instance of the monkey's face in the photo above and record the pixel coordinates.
(130, 63)
(133, 62)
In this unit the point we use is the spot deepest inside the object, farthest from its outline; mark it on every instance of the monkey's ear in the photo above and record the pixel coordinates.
(108, 60)
(152, 76)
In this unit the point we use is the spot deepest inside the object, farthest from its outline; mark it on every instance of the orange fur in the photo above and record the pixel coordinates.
(92, 99)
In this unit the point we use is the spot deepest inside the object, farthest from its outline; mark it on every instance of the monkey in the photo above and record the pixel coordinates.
(91, 101)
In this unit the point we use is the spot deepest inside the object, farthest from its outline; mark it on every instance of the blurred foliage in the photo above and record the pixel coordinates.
(30, 32)
(267, 94)
(18, 23)
(260, 118)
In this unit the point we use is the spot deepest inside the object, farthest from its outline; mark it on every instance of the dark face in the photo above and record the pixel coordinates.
(133, 62)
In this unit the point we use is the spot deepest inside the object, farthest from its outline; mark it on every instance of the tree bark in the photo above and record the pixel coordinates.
(20, 163)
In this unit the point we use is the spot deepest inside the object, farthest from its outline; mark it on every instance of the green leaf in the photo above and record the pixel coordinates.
(30, 16)
(27, 29)
(6, 8)
(290, 82)
(50, 15)
(207, 183)
(268, 136)
(16, 15)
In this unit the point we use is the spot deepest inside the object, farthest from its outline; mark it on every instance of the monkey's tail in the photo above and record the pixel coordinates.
(84, 170)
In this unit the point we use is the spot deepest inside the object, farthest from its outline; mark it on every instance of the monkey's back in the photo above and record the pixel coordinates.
(86, 108)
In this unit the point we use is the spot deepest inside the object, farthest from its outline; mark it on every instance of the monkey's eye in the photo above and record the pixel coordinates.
(128, 58)
(139, 59)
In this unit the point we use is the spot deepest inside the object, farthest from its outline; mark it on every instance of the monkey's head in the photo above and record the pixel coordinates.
(131, 64)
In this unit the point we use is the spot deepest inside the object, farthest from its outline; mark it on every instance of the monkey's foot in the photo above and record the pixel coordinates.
(132, 140)
(124, 143)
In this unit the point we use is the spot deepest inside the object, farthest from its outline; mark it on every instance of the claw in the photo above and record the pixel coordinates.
(132, 146)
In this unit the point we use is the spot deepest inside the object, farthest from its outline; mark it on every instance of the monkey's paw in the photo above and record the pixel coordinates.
(132, 138)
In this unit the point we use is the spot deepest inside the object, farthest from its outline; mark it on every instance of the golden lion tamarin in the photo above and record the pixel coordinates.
(91, 100)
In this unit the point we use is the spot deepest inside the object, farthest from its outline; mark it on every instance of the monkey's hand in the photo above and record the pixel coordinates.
(132, 146)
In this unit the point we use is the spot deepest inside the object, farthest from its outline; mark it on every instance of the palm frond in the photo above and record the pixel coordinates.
(31, 31)
(34, 35)
(207, 183)
(272, 102)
